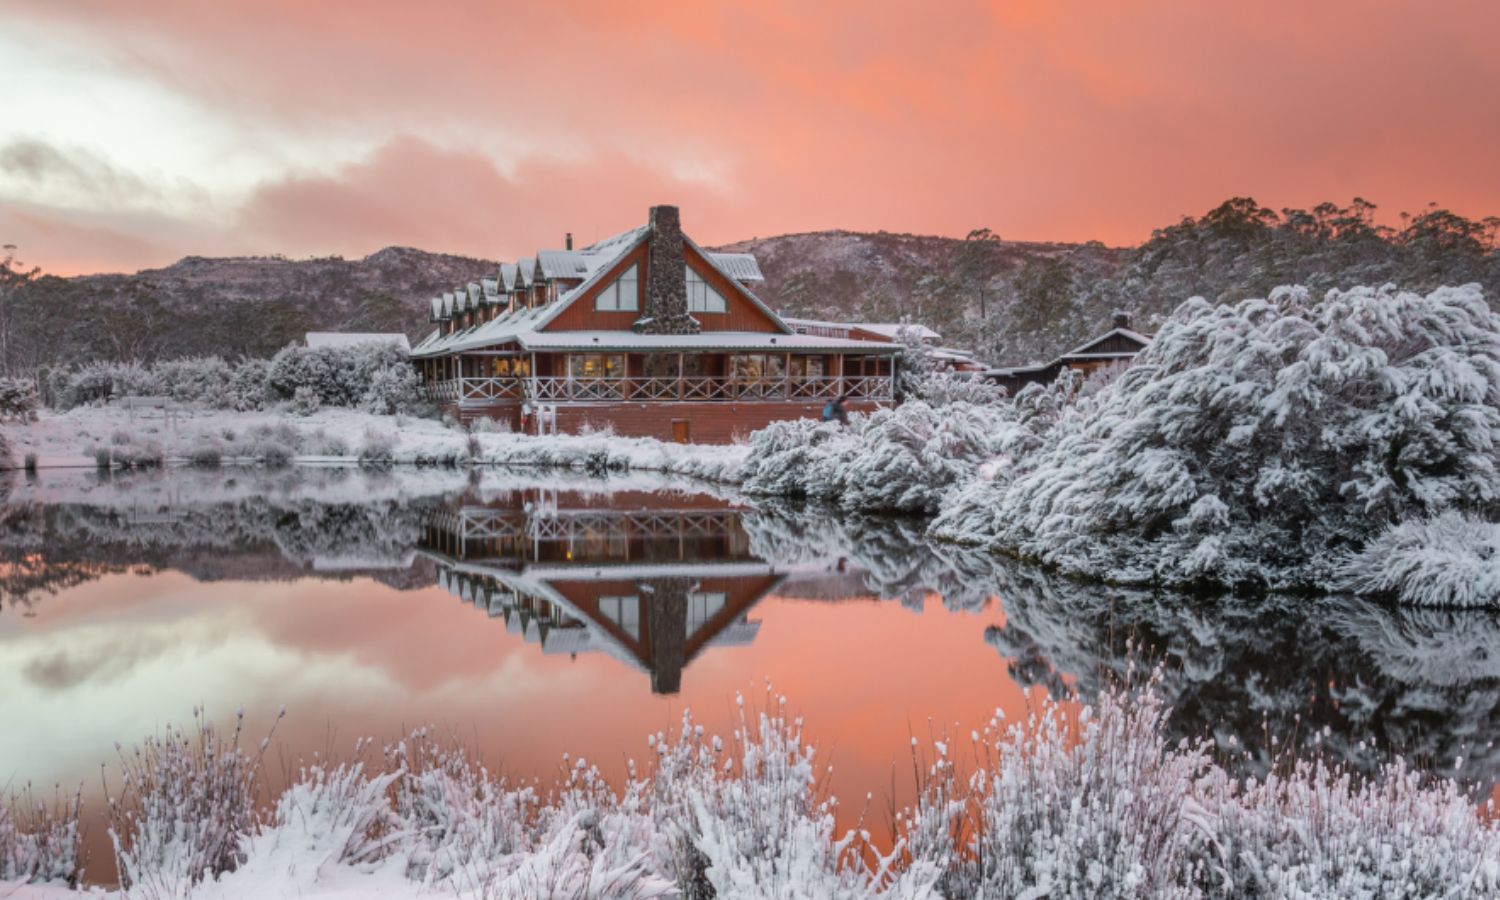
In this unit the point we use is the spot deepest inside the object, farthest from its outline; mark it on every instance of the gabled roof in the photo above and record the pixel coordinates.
(563, 263)
(476, 294)
(524, 270)
(1085, 348)
(437, 308)
(508, 274)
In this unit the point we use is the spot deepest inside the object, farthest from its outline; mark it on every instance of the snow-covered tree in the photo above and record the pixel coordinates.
(1261, 442)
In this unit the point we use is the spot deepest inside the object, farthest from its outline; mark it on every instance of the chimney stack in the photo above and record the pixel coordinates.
(1122, 319)
(568, 241)
(666, 309)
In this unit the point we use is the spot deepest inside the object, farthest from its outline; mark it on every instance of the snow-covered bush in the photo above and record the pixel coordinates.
(904, 459)
(18, 400)
(394, 389)
(185, 809)
(205, 379)
(345, 376)
(1449, 560)
(921, 376)
(1256, 444)
(247, 388)
(39, 841)
(305, 401)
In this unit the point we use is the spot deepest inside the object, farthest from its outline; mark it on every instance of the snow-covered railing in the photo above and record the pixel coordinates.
(697, 388)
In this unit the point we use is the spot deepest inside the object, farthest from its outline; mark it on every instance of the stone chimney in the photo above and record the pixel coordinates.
(1122, 319)
(666, 309)
(666, 623)
(568, 241)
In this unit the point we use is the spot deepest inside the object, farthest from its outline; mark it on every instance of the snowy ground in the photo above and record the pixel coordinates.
(73, 438)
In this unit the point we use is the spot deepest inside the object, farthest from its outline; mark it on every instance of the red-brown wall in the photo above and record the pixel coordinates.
(708, 423)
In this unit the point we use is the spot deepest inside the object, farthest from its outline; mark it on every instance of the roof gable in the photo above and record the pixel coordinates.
(1120, 341)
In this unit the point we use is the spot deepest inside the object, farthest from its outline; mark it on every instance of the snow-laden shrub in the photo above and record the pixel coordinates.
(18, 400)
(1258, 443)
(1448, 560)
(247, 389)
(393, 389)
(904, 459)
(366, 375)
(185, 809)
(1087, 807)
(922, 376)
(305, 401)
(38, 841)
(204, 379)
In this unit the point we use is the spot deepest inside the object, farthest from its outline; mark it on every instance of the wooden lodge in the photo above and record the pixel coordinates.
(652, 580)
(1118, 346)
(645, 333)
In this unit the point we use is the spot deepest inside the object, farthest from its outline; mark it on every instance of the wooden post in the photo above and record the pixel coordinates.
(681, 367)
(786, 377)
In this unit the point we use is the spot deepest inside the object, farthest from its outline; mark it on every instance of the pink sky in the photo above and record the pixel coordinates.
(137, 133)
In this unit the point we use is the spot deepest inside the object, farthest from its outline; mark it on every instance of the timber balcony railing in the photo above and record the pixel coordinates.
(484, 389)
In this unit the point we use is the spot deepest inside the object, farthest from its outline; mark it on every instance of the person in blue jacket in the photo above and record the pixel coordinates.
(834, 410)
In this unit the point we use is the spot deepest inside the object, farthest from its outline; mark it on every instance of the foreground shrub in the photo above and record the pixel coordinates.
(1073, 802)
(1257, 444)
(185, 809)
(39, 841)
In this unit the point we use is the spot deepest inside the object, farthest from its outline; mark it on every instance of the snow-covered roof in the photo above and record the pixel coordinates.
(317, 339)
(707, 340)
(524, 270)
(508, 273)
(889, 330)
(563, 263)
(1083, 349)
(739, 266)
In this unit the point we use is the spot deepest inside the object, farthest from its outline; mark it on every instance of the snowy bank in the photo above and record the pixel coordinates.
(1259, 444)
(87, 435)
(1069, 803)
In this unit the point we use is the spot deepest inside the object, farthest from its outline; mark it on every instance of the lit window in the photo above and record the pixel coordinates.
(701, 296)
(620, 295)
(596, 365)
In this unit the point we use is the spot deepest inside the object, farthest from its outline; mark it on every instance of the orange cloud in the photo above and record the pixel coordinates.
(490, 130)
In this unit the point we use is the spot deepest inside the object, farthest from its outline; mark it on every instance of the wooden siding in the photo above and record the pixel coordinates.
(741, 314)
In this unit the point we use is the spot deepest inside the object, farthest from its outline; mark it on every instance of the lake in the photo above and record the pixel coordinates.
(531, 615)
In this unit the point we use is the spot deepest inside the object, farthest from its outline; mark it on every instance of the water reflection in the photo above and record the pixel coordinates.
(655, 578)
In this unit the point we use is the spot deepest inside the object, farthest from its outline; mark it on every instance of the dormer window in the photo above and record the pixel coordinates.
(701, 296)
(622, 294)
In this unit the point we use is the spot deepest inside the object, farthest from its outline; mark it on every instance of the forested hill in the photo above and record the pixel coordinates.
(1010, 301)
(233, 306)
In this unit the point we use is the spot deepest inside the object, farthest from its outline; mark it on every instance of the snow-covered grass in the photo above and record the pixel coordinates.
(85, 435)
(39, 840)
(1448, 560)
(1073, 802)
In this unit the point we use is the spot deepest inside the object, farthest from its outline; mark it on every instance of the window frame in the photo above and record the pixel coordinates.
(613, 290)
(693, 280)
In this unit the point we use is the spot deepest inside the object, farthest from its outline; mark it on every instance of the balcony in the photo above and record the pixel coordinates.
(479, 391)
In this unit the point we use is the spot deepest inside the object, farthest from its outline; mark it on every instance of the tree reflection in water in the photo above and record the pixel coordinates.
(656, 577)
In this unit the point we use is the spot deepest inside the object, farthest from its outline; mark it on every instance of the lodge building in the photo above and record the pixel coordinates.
(1118, 346)
(645, 333)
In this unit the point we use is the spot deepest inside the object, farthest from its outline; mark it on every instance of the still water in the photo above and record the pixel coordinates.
(532, 615)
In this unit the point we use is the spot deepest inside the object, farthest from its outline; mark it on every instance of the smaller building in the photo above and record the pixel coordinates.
(1120, 344)
(319, 339)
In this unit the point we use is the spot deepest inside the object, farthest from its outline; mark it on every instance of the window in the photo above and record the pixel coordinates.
(624, 612)
(596, 365)
(620, 295)
(754, 367)
(701, 297)
(807, 367)
(702, 607)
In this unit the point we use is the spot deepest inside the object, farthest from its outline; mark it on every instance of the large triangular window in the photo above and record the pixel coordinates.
(621, 295)
(701, 296)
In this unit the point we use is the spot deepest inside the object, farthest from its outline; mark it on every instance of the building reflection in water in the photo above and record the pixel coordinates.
(651, 579)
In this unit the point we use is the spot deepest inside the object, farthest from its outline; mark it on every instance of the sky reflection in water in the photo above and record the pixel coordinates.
(532, 616)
